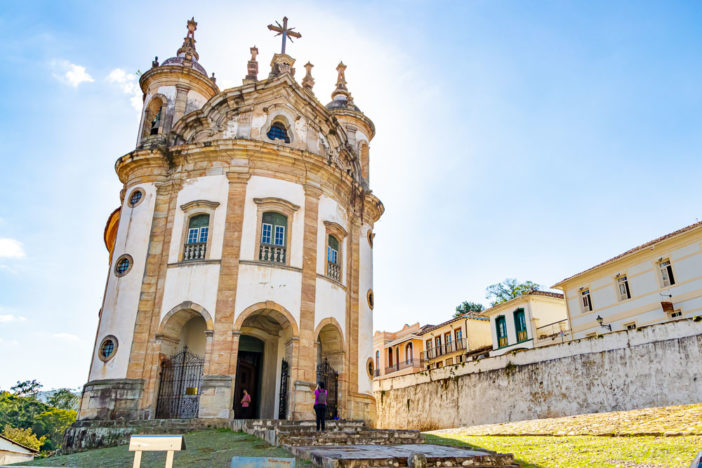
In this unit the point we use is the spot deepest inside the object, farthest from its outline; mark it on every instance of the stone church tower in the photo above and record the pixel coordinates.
(241, 256)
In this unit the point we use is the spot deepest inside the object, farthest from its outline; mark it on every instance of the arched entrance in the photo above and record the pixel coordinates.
(265, 348)
(330, 363)
(183, 342)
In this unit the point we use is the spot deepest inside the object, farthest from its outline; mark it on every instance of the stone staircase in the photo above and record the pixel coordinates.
(351, 444)
(303, 433)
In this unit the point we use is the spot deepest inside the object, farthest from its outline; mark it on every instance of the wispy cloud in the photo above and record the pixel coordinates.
(11, 248)
(8, 342)
(66, 336)
(7, 318)
(70, 73)
(129, 85)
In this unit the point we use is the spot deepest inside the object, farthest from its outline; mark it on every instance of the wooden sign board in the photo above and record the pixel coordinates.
(262, 462)
(156, 443)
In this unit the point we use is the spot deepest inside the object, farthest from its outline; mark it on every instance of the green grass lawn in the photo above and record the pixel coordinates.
(203, 449)
(586, 451)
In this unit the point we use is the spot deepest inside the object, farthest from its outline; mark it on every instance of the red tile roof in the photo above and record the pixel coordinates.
(636, 249)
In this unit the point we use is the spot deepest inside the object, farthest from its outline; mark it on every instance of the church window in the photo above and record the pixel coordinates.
(501, 326)
(370, 299)
(520, 325)
(196, 240)
(666, 271)
(585, 300)
(108, 347)
(370, 368)
(333, 270)
(273, 237)
(623, 288)
(123, 265)
(136, 197)
(278, 132)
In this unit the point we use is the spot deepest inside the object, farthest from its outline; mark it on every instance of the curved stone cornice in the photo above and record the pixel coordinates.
(176, 73)
(199, 204)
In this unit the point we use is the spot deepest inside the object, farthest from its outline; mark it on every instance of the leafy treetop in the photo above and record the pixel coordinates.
(26, 388)
(508, 290)
(468, 306)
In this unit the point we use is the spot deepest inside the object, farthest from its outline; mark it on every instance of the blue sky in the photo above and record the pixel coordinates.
(514, 139)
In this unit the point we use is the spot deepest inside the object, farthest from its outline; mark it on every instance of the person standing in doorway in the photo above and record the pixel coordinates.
(320, 405)
(245, 403)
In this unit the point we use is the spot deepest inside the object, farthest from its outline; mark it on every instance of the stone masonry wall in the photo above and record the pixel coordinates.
(657, 365)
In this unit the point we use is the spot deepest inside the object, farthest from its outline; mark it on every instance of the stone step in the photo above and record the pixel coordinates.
(356, 456)
(368, 437)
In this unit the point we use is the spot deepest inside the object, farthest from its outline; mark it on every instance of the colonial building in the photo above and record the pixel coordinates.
(538, 318)
(655, 282)
(415, 348)
(241, 255)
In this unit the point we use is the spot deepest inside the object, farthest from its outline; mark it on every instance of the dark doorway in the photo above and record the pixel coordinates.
(248, 376)
(327, 375)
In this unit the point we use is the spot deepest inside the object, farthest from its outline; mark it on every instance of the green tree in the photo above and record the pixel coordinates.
(23, 436)
(64, 399)
(52, 424)
(508, 290)
(26, 388)
(468, 306)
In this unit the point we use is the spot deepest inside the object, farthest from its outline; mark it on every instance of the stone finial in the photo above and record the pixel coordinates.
(341, 92)
(282, 63)
(154, 63)
(214, 80)
(252, 67)
(187, 50)
(308, 81)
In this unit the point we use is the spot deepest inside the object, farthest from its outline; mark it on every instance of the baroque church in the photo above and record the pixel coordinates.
(241, 254)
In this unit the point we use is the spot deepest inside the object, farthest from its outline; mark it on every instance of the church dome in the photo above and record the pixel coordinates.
(182, 61)
(342, 104)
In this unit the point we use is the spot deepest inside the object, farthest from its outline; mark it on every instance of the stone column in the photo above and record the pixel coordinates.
(217, 397)
(304, 361)
(352, 314)
(143, 358)
(180, 102)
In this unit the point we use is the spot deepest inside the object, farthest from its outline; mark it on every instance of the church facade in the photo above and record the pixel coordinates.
(241, 255)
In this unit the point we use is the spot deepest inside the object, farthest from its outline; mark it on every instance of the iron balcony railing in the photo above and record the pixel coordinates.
(416, 362)
(333, 270)
(194, 251)
(446, 348)
(552, 330)
(271, 253)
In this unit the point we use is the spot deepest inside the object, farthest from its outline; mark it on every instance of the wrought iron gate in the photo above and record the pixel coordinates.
(283, 401)
(327, 374)
(179, 390)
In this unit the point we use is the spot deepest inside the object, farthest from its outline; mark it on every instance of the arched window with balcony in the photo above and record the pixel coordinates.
(333, 259)
(196, 240)
(274, 228)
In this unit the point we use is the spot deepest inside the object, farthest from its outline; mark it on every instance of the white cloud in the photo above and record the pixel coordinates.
(11, 248)
(66, 336)
(70, 73)
(7, 318)
(129, 85)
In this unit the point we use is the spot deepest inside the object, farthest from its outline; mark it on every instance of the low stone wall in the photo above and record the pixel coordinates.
(85, 435)
(659, 365)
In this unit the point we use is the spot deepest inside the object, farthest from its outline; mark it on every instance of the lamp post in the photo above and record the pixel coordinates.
(600, 320)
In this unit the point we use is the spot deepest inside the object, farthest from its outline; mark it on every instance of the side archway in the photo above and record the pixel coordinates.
(330, 326)
(173, 321)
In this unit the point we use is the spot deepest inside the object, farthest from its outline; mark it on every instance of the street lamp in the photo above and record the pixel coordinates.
(600, 320)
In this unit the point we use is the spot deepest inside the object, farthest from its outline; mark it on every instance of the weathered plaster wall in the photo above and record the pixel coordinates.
(653, 366)
(122, 293)
(365, 314)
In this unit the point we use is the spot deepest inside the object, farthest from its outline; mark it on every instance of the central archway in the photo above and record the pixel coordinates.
(266, 331)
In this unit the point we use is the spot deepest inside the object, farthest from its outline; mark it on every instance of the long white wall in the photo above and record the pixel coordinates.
(122, 293)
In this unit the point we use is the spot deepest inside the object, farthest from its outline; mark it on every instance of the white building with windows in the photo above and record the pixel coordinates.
(655, 282)
(538, 318)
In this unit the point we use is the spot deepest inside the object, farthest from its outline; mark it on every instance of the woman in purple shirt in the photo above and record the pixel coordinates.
(320, 405)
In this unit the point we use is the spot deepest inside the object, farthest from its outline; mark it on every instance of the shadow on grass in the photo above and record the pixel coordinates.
(438, 440)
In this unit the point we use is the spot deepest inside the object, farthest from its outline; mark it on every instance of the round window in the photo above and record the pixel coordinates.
(136, 197)
(108, 348)
(370, 368)
(123, 265)
(370, 238)
(370, 298)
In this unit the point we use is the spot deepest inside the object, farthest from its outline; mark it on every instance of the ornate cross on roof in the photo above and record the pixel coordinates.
(285, 31)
